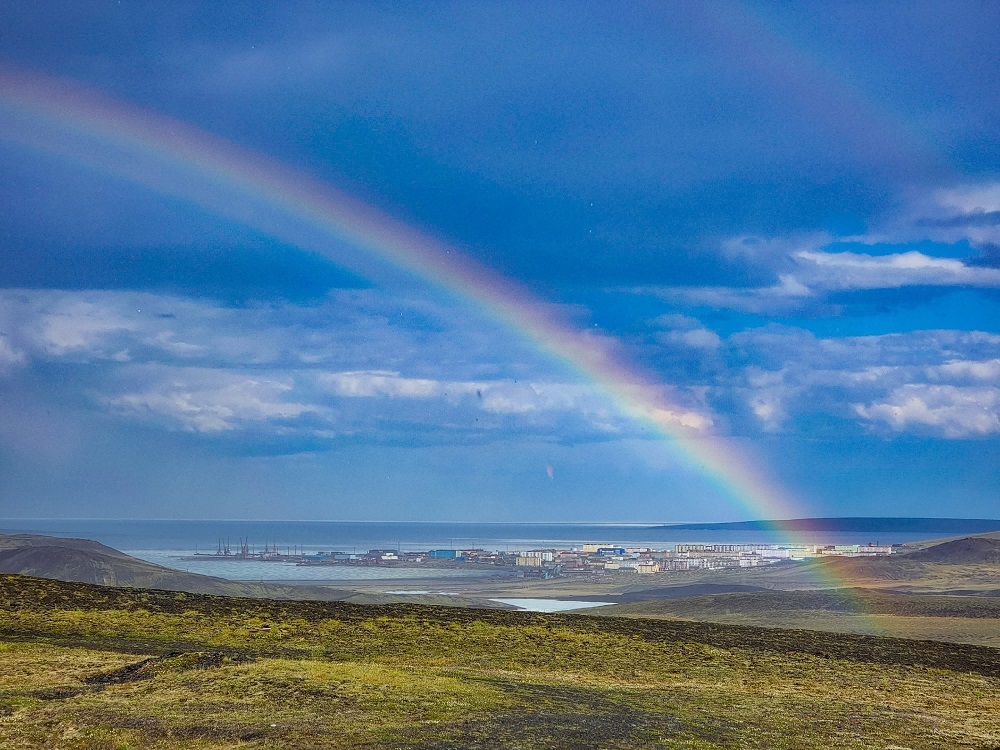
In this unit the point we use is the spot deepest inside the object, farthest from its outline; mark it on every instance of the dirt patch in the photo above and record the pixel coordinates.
(173, 661)
(155, 728)
(180, 661)
(140, 670)
(58, 693)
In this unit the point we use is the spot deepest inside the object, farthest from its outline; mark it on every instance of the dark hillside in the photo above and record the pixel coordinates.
(891, 568)
(970, 550)
(86, 561)
(89, 546)
(68, 564)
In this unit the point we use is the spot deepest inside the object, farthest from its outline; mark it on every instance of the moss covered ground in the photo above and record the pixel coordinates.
(83, 666)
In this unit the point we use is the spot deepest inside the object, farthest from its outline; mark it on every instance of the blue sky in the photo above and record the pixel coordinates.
(790, 214)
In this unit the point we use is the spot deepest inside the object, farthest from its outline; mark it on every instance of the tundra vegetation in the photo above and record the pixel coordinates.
(84, 666)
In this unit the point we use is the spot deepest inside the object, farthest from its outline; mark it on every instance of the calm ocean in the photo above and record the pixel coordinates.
(349, 536)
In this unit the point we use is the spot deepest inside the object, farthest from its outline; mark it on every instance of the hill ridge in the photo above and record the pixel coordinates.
(86, 561)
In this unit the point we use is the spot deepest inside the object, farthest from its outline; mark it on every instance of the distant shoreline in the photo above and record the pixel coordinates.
(851, 524)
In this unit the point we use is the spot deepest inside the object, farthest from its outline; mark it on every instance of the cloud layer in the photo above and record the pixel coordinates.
(317, 371)
(788, 219)
(355, 367)
(824, 274)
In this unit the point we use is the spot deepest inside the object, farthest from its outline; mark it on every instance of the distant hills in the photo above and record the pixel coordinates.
(87, 561)
(968, 551)
(852, 524)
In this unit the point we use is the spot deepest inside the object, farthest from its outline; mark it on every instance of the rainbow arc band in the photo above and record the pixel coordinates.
(65, 120)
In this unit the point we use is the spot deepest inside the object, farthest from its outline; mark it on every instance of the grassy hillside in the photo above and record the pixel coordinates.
(83, 666)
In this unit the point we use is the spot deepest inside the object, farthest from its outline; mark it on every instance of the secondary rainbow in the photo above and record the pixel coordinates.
(66, 120)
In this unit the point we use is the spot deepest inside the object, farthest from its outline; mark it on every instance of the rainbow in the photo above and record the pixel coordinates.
(65, 120)
(812, 89)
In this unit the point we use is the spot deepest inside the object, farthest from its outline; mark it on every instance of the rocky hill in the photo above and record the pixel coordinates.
(87, 561)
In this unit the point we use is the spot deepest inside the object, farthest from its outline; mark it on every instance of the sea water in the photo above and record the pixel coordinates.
(549, 605)
(352, 536)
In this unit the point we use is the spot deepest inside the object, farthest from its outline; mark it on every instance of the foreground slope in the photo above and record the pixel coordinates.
(83, 666)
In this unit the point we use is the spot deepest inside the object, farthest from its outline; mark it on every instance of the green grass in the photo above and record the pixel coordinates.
(254, 673)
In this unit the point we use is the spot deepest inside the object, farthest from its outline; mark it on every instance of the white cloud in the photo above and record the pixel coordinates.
(686, 331)
(692, 420)
(813, 274)
(358, 364)
(80, 325)
(752, 248)
(951, 411)
(786, 295)
(845, 271)
(959, 213)
(518, 398)
(881, 380)
(523, 398)
(808, 269)
(96, 325)
(696, 338)
(366, 384)
(167, 341)
(969, 199)
(966, 370)
(969, 212)
(351, 329)
(212, 400)
(10, 356)
(288, 369)
(776, 346)
(768, 395)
